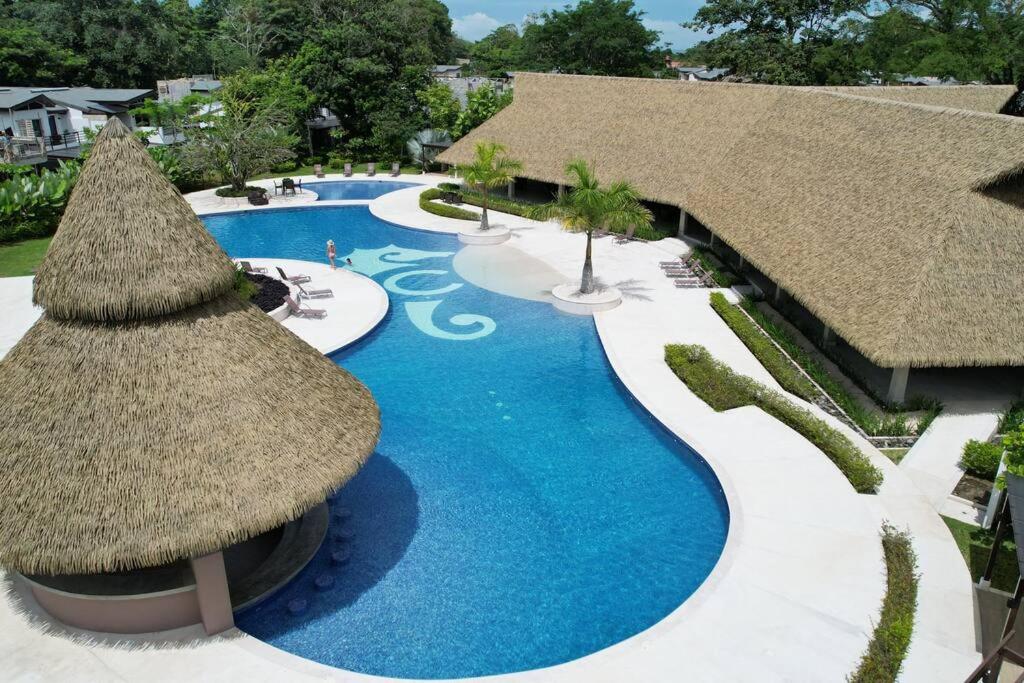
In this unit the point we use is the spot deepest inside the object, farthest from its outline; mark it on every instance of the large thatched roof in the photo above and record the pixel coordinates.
(894, 222)
(134, 442)
(981, 98)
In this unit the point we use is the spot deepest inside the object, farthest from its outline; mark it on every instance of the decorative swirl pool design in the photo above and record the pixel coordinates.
(355, 189)
(521, 510)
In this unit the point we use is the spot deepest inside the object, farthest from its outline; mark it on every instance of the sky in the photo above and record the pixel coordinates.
(474, 19)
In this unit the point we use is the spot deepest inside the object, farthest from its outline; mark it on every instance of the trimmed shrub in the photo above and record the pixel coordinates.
(444, 210)
(717, 385)
(780, 367)
(1012, 419)
(981, 459)
(228, 191)
(722, 278)
(888, 646)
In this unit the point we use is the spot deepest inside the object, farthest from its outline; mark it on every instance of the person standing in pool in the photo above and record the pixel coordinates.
(331, 253)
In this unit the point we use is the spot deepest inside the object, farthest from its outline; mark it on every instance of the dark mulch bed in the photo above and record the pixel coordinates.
(271, 292)
(973, 489)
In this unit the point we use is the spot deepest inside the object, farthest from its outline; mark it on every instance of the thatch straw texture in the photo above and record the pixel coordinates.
(872, 213)
(132, 443)
(981, 98)
(128, 245)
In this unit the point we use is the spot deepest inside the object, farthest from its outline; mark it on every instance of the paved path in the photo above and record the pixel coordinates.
(797, 590)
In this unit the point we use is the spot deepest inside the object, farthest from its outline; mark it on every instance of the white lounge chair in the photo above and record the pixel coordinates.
(247, 267)
(348, 170)
(301, 312)
(371, 169)
(396, 169)
(314, 293)
(294, 279)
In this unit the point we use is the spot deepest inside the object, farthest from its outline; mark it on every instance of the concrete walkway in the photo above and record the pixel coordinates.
(800, 582)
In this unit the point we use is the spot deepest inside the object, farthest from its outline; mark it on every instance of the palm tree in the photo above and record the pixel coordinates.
(589, 207)
(492, 168)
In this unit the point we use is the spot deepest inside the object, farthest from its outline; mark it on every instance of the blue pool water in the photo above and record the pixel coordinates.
(355, 189)
(521, 509)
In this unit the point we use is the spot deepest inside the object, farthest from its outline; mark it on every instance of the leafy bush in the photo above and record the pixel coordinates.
(981, 458)
(780, 367)
(888, 646)
(1012, 419)
(428, 205)
(449, 187)
(229, 191)
(244, 288)
(1013, 446)
(722, 278)
(31, 205)
(337, 161)
(722, 389)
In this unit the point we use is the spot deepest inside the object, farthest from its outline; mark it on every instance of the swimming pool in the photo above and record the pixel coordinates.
(356, 189)
(521, 509)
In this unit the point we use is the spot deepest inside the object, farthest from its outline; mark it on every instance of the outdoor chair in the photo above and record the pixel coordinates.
(257, 198)
(247, 267)
(301, 312)
(313, 293)
(287, 186)
(348, 170)
(396, 169)
(295, 279)
(318, 170)
(371, 169)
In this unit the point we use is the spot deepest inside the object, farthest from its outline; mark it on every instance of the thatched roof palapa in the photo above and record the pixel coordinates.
(157, 416)
(898, 223)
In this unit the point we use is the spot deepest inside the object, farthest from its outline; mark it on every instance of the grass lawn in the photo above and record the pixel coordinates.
(382, 170)
(22, 258)
(895, 454)
(975, 544)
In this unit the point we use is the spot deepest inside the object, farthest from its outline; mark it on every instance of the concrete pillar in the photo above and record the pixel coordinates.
(739, 267)
(212, 592)
(898, 385)
(828, 337)
(683, 220)
(711, 244)
(561, 190)
(779, 296)
(512, 189)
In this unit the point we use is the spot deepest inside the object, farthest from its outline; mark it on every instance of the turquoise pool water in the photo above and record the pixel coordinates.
(355, 189)
(521, 510)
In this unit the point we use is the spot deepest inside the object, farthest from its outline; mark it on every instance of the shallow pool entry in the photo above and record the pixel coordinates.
(521, 509)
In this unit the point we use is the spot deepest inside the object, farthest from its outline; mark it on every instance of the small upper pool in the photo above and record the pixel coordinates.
(355, 189)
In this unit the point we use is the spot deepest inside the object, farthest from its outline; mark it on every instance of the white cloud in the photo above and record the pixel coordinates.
(675, 35)
(475, 26)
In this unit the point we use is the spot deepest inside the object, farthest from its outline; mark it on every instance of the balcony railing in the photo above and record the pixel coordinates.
(64, 140)
(20, 149)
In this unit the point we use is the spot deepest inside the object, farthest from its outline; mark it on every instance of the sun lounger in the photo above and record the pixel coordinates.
(371, 169)
(314, 293)
(301, 312)
(348, 170)
(247, 267)
(395, 169)
(294, 279)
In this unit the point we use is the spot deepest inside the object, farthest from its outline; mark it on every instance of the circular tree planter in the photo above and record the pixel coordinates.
(568, 299)
(478, 237)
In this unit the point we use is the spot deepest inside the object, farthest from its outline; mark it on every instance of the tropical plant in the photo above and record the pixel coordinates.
(492, 168)
(589, 207)
(420, 155)
(239, 143)
(31, 205)
(481, 104)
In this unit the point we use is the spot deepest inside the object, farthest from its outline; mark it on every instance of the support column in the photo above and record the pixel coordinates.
(512, 189)
(828, 337)
(898, 385)
(779, 295)
(683, 220)
(739, 267)
(711, 244)
(561, 190)
(212, 592)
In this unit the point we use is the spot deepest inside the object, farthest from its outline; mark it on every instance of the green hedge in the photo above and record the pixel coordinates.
(1012, 419)
(780, 367)
(722, 389)
(891, 424)
(428, 205)
(888, 646)
(981, 458)
(722, 278)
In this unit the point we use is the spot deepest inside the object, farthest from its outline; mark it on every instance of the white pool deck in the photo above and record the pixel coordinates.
(796, 593)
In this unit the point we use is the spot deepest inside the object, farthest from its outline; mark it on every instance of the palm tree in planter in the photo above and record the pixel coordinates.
(492, 168)
(589, 207)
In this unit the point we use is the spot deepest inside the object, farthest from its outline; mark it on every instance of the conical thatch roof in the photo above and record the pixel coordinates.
(133, 443)
(128, 246)
(898, 223)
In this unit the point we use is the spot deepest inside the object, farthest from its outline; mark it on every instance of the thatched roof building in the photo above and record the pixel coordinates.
(898, 223)
(150, 414)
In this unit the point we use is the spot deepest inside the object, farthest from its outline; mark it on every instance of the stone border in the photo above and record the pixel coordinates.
(478, 237)
(569, 300)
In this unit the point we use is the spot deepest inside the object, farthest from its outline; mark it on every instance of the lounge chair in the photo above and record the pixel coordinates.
(371, 169)
(396, 169)
(247, 267)
(294, 279)
(313, 293)
(301, 312)
(318, 170)
(348, 170)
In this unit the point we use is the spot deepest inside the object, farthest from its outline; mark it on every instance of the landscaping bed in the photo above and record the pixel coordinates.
(975, 545)
(270, 293)
(722, 389)
(974, 489)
